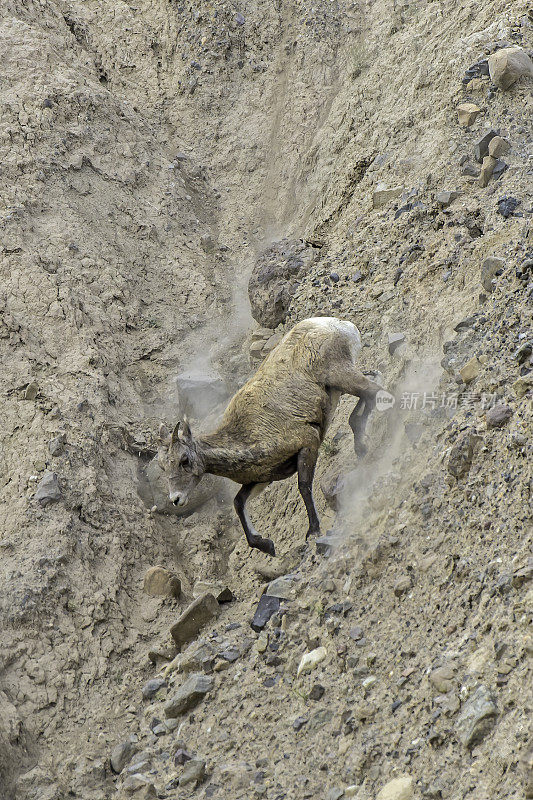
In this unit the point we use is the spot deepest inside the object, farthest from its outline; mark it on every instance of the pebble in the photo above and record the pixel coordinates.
(470, 371)
(442, 678)
(122, 754)
(334, 277)
(489, 268)
(189, 694)
(523, 385)
(476, 718)
(446, 198)
(402, 585)
(487, 169)
(151, 688)
(524, 352)
(193, 619)
(398, 789)
(509, 64)
(498, 415)
(48, 490)
(310, 660)
(507, 206)
(299, 722)
(280, 587)
(193, 772)
(462, 453)
(394, 341)
(317, 692)
(499, 147)
(266, 607)
(57, 445)
(383, 195)
(470, 170)
(159, 582)
(467, 113)
(140, 785)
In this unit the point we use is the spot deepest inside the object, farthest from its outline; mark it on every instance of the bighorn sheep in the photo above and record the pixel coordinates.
(275, 423)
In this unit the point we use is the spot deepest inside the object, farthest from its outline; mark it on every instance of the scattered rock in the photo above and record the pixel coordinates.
(489, 268)
(523, 385)
(189, 694)
(470, 371)
(48, 490)
(467, 113)
(181, 756)
(524, 352)
(487, 169)
(159, 582)
(462, 453)
(476, 718)
(446, 198)
(464, 324)
(280, 587)
(498, 415)
(402, 585)
(220, 591)
(299, 722)
(481, 148)
(122, 754)
(151, 688)
(139, 785)
(310, 660)
(469, 170)
(498, 146)
(442, 678)
(509, 64)
(266, 607)
(57, 445)
(507, 206)
(31, 391)
(193, 772)
(394, 341)
(383, 195)
(317, 692)
(398, 789)
(193, 619)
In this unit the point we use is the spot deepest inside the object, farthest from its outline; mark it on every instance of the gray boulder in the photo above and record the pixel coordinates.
(274, 280)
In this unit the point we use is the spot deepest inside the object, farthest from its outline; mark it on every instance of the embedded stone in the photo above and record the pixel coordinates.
(487, 168)
(499, 147)
(508, 65)
(193, 619)
(383, 195)
(310, 660)
(189, 694)
(398, 789)
(489, 268)
(467, 113)
(266, 607)
(159, 582)
(48, 490)
(498, 415)
(477, 717)
(481, 148)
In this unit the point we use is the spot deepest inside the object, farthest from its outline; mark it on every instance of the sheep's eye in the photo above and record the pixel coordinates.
(184, 461)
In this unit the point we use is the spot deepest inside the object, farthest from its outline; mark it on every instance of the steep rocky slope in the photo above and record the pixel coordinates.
(149, 152)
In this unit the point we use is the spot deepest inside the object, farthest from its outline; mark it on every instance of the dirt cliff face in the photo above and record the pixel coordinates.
(149, 153)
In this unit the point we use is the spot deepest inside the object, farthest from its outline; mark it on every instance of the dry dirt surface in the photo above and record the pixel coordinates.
(153, 154)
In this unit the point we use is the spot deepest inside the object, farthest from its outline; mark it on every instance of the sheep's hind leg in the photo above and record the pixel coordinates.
(252, 537)
(306, 469)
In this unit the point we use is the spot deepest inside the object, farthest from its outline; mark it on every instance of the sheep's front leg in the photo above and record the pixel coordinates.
(252, 537)
(306, 469)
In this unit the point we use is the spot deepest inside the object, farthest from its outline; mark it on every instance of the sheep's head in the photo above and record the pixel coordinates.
(180, 460)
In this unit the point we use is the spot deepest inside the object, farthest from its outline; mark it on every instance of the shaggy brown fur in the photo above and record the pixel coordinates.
(274, 424)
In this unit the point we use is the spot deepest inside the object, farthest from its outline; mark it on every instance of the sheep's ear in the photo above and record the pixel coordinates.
(164, 436)
(181, 432)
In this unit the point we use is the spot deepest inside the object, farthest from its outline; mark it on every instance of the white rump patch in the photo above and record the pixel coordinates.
(342, 326)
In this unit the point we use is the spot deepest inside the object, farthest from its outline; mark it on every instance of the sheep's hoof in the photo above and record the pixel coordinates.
(265, 545)
(360, 448)
(312, 532)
